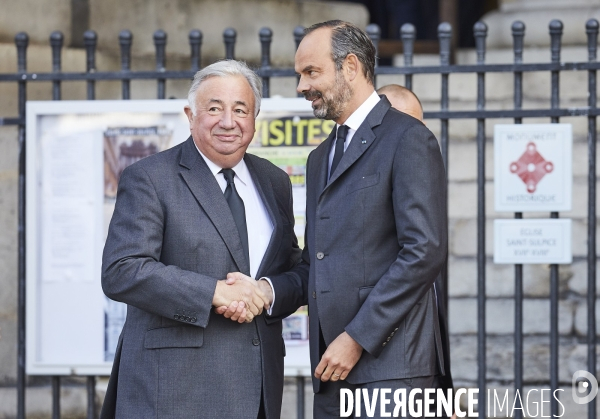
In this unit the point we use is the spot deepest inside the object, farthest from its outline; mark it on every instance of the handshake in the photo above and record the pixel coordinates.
(241, 298)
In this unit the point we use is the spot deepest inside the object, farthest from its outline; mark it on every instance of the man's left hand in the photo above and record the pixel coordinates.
(339, 359)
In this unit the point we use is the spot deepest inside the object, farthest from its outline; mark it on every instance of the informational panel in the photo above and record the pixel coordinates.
(532, 241)
(76, 152)
(532, 167)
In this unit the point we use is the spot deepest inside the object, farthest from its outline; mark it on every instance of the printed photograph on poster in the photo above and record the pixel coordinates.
(295, 328)
(533, 167)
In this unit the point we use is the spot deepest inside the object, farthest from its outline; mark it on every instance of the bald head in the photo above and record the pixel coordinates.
(403, 99)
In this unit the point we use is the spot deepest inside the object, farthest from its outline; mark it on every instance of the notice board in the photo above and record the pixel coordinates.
(76, 151)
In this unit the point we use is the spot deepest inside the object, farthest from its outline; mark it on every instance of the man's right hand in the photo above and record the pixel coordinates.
(243, 299)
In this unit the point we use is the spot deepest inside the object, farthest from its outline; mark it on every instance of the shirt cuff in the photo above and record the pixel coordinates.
(270, 310)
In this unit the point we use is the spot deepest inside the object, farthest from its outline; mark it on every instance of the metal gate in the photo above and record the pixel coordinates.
(554, 111)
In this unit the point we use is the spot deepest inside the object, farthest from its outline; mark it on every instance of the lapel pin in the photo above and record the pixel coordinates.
(364, 141)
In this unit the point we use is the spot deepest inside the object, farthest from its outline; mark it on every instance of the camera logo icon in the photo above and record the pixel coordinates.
(584, 387)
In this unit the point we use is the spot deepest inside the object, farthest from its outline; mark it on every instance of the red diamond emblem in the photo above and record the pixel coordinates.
(531, 167)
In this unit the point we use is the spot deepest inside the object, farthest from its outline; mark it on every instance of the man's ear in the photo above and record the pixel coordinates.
(189, 114)
(351, 67)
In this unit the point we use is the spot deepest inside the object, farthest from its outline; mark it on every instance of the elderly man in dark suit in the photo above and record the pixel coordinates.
(376, 232)
(183, 219)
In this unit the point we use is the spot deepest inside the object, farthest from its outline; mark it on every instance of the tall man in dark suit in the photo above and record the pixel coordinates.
(183, 219)
(406, 101)
(376, 233)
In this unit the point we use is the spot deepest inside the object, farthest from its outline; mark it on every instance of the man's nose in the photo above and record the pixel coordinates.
(227, 120)
(303, 86)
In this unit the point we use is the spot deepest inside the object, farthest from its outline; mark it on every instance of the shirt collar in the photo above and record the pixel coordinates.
(360, 114)
(240, 169)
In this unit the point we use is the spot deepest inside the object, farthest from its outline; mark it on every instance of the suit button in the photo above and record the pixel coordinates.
(176, 317)
(392, 334)
(320, 255)
(388, 339)
(187, 319)
(314, 294)
(396, 329)
(384, 343)
(193, 320)
(255, 342)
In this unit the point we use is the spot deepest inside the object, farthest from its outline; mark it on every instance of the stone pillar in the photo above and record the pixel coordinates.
(537, 14)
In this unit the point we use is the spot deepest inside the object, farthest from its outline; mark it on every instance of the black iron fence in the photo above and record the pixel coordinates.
(555, 67)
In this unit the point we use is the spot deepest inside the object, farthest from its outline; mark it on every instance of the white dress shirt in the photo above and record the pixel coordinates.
(258, 223)
(354, 121)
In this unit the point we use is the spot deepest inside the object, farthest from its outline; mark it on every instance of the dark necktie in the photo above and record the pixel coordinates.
(236, 204)
(340, 138)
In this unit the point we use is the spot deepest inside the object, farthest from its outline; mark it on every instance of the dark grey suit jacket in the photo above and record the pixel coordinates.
(172, 236)
(376, 239)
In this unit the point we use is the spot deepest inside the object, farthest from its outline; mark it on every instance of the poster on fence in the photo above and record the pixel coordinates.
(76, 152)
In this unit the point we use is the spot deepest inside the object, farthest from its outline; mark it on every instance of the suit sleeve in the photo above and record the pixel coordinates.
(291, 288)
(419, 208)
(131, 269)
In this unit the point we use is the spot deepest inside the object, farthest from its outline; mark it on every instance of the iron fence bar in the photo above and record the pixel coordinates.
(55, 397)
(91, 397)
(591, 29)
(90, 40)
(445, 38)
(480, 114)
(160, 43)
(490, 68)
(300, 397)
(555, 28)
(11, 121)
(21, 41)
(56, 43)
(266, 37)
(518, 33)
(300, 380)
(408, 34)
(125, 41)
(298, 35)
(229, 37)
(126, 75)
(195, 38)
(480, 32)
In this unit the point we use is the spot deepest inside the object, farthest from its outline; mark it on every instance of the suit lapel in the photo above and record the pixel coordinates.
(322, 159)
(362, 140)
(207, 192)
(265, 191)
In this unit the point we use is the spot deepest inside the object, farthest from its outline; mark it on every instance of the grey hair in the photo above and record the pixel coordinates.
(226, 68)
(347, 38)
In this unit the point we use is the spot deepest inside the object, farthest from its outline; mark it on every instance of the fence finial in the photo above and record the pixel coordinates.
(266, 37)
(375, 35)
(22, 41)
(298, 35)
(445, 38)
(56, 43)
(229, 37)
(556, 30)
(480, 31)
(125, 41)
(518, 34)
(195, 38)
(90, 40)
(408, 33)
(591, 28)
(160, 42)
